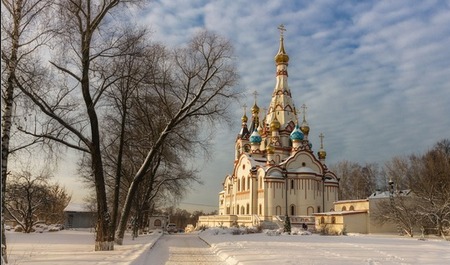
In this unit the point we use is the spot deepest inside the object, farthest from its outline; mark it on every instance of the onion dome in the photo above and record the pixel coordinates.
(322, 154)
(296, 134)
(244, 118)
(281, 57)
(275, 124)
(304, 128)
(255, 109)
(255, 137)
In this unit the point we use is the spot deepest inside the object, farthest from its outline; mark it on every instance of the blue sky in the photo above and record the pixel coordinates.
(375, 75)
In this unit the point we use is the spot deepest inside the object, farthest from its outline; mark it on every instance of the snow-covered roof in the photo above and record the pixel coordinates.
(77, 207)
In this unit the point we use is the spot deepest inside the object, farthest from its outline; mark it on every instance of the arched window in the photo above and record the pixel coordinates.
(239, 186)
(352, 208)
(243, 183)
(310, 210)
(248, 182)
(237, 209)
(278, 210)
(292, 184)
(228, 210)
(322, 220)
(242, 210)
(292, 209)
(157, 223)
(344, 208)
(248, 209)
(333, 220)
(260, 209)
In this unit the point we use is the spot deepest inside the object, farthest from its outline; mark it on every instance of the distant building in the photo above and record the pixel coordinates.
(157, 222)
(275, 172)
(79, 215)
(358, 216)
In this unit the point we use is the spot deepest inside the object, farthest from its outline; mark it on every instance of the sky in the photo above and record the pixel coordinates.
(375, 75)
(76, 247)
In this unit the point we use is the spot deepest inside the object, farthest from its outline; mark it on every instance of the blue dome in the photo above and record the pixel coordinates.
(255, 137)
(296, 134)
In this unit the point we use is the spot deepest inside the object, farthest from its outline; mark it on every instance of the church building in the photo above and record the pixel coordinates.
(276, 173)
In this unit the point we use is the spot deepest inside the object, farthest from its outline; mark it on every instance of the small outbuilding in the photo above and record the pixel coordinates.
(79, 215)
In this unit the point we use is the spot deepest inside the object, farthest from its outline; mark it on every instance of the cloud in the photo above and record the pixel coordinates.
(375, 75)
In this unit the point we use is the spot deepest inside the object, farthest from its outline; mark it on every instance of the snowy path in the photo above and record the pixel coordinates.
(181, 249)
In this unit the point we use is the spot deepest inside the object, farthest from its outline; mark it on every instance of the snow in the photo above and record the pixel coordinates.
(269, 247)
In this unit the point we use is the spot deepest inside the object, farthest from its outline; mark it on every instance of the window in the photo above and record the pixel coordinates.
(310, 210)
(322, 220)
(352, 208)
(292, 184)
(278, 210)
(157, 223)
(242, 210)
(248, 209)
(292, 209)
(333, 220)
(344, 208)
(243, 183)
(260, 209)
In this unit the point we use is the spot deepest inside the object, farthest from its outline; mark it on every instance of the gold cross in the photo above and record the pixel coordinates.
(255, 93)
(281, 28)
(304, 111)
(321, 136)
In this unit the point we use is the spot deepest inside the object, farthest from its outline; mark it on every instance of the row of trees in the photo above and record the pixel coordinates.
(31, 199)
(94, 83)
(419, 185)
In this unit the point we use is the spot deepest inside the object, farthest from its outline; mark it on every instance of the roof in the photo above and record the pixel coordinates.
(341, 213)
(78, 207)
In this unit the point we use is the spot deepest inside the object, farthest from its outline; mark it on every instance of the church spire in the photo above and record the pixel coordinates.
(321, 153)
(255, 115)
(281, 57)
(244, 133)
(281, 106)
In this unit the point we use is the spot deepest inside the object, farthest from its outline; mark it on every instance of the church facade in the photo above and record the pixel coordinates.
(276, 173)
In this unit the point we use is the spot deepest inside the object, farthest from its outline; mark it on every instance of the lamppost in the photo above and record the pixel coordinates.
(287, 222)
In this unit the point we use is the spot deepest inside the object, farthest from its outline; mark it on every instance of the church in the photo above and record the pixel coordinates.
(276, 174)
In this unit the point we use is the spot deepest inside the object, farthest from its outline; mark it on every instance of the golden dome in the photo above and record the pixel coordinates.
(305, 128)
(275, 124)
(281, 57)
(322, 154)
(244, 118)
(255, 109)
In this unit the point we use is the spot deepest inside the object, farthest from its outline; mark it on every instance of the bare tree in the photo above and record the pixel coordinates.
(429, 180)
(87, 37)
(356, 181)
(202, 84)
(400, 209)
(26, 199)
(24, 31)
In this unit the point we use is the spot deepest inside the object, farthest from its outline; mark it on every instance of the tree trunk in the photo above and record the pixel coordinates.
(126, 212)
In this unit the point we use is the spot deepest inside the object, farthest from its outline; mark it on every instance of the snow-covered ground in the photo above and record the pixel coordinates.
(76, 247)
